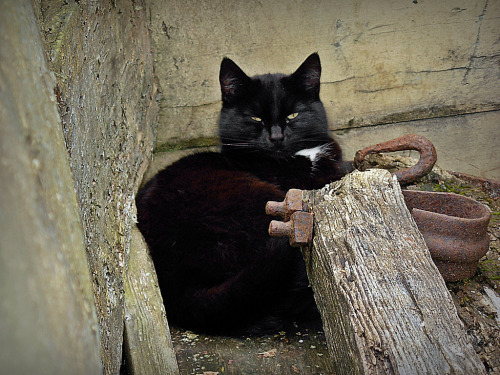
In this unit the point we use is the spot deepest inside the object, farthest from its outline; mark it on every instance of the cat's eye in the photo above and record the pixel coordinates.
(257, 119)
(292, 116)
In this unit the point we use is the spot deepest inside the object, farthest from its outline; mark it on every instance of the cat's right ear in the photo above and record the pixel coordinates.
(233, 81)
(307, 76)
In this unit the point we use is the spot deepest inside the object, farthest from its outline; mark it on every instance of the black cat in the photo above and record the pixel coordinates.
(203, 217)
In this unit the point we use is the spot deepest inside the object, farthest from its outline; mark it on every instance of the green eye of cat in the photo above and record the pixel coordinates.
(292, 116)
(257, 119)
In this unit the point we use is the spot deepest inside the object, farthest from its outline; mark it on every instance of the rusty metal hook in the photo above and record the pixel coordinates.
(416, 142)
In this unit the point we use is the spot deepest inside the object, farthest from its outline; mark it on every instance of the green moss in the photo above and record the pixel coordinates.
(59, 23)
(448, 187)
(490, 269)
(186, 144)
(422, 113)
(495, 217)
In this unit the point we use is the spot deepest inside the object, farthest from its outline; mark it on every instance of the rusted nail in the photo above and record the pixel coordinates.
(407, 142)
(299, 229)
(292, 203)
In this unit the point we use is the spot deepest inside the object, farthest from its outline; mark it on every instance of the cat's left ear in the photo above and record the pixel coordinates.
(308, 75)
(233, 81)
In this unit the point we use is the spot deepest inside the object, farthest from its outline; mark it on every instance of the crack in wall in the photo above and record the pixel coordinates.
(427, 71)
(422, 114)
(476, 44)
(194, 105)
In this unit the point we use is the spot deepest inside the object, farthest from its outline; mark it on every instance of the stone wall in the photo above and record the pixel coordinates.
(48, 322)
(100, 53)
(386, 64)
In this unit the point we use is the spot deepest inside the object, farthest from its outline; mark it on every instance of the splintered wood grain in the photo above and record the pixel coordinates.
(385, 307)
(148, 345)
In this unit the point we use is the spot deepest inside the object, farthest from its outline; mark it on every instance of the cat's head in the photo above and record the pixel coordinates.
(272, 114)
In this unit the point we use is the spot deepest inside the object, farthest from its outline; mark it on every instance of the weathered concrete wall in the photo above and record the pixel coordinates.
(101, 55)
(384, 61)
(48, 322)
(465, 143)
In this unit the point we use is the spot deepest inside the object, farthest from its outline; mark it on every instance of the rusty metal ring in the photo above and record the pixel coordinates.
(416, 142)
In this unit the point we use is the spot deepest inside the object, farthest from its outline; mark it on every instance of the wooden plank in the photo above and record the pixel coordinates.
(148, 346)
(385, 308)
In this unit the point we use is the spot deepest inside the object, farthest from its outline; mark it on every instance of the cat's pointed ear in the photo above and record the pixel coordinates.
(233, 81)
(308, 75)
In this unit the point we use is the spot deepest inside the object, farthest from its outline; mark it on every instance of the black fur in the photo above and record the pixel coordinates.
(203, 217)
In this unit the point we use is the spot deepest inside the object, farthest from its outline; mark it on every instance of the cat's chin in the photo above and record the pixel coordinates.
(279, 154)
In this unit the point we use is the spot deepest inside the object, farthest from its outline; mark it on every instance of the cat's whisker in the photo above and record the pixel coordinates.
(237, 145)
(236, 140)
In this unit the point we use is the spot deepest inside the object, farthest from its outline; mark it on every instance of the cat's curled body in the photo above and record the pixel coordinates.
(204, 220)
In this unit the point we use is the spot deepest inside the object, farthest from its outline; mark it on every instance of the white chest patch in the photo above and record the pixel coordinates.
(311, 153)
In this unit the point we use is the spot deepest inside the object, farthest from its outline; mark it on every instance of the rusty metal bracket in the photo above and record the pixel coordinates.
(299, 229)
(292, 203)
(297, 224)
(416, 142)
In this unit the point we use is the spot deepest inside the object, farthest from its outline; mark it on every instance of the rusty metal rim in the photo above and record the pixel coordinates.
(484, 210)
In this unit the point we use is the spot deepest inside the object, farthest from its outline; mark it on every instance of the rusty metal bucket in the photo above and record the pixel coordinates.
(454, 228)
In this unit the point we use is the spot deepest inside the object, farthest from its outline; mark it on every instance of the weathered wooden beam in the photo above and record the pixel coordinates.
(385, 307)
(148, 346)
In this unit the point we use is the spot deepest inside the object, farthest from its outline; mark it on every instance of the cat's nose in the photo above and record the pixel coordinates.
(277, 135)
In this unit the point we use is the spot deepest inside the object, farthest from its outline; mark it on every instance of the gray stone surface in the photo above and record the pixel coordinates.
(466, 143)
(100, 53)
(48, 322)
